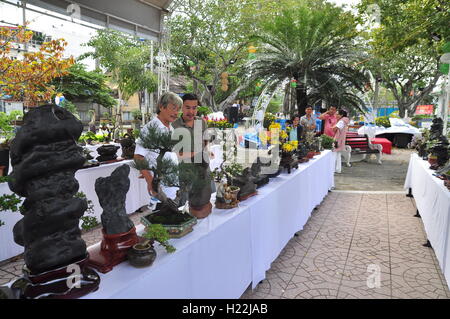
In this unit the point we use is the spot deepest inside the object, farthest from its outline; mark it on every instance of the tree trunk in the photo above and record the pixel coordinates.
(302, 98)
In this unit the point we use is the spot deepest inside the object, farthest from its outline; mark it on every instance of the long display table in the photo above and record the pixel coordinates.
(433, 203)
(230, 249)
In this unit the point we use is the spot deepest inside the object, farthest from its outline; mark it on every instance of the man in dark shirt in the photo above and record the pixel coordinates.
(199, 199)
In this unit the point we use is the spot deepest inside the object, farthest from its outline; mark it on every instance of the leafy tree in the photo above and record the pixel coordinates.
(406, 45)
(125, 59)
(29, 78)
(85, 86)
(209, 38)
(313, 43)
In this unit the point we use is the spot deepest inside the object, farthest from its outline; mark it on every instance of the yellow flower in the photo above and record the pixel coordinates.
(283, 135)
(294, 143)
(274, 126)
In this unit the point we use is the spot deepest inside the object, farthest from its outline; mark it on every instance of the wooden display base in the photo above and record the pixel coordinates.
(60, 283)
(242, 198)
(220, 205)
(112, 250)
(202, 211)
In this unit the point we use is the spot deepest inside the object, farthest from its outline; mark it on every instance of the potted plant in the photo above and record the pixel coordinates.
(327, 141)
(171, 213)
(143, 253)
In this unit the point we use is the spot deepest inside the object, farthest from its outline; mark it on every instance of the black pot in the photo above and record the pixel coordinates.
(141, 255)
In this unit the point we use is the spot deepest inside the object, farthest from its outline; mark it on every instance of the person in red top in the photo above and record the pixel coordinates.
(330, 120)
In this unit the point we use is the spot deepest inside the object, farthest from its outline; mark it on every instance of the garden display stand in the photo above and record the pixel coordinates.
(112, 251)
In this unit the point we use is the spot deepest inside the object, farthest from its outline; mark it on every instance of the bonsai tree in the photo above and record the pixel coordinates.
(156, 232)
(166, 172)
(326, 141)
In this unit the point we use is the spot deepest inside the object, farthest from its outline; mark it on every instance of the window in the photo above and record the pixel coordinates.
(127, 116)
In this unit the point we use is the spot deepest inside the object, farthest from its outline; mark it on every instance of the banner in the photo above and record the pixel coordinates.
(424, 109)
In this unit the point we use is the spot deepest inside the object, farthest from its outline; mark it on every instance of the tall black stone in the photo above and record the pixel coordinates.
(112, 192)
(45, 157)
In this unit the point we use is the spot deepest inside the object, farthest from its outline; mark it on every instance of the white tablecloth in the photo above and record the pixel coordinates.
(8, 248)
(137, 197)
(433, 202)
(229, 249)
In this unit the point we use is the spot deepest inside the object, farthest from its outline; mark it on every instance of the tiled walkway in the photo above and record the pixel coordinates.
(345, 237)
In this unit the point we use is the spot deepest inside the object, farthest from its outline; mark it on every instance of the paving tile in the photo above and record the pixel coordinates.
(416, 284)
(323, 265)
(310, 290)
(14, 267)
(359, 260)
(274, 285)
(410, 247)
(6, 277)
(367, 238)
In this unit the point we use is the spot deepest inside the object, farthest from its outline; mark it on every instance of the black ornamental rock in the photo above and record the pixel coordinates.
(45, 157)
(112, 192)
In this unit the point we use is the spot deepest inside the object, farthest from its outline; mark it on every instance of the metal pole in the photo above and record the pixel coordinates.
(150, 107)
(446, 104)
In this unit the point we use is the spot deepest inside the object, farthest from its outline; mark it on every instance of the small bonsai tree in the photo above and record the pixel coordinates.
(156, 232)
(88, 222)
(326, 141)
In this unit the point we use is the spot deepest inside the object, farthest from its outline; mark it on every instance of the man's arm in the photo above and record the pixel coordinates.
(146, 174)
(323, 116)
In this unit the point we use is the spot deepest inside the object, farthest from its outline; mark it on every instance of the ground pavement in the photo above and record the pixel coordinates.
(352, 232)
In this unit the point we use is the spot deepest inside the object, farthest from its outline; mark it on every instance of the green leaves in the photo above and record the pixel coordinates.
(158, 233)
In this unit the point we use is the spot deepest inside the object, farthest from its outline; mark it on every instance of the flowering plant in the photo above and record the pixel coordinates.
(221, 124)
(289, 147)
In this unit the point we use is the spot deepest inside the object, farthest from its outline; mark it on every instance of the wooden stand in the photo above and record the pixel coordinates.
(70, 281)
(112, 250)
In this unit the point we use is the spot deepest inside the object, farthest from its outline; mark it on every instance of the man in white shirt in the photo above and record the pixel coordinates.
(168, 107)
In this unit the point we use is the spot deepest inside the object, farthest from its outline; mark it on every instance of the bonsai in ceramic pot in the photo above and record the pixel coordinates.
(143, 253)
(171, 213)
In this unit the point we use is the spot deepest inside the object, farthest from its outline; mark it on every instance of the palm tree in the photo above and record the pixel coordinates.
(315, 44)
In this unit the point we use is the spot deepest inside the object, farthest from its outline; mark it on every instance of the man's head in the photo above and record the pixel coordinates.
(332, 110)
(295, 119)
(309, 110)
(190, 107)
(169, 105)
(342, 113)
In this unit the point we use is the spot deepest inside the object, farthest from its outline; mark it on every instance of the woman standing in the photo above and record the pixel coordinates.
(340, 133)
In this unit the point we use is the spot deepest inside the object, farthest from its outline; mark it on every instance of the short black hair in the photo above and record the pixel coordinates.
(294, 116)
(343, 113)
(190, 97)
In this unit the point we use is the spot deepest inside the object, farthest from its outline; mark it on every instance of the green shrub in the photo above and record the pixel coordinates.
(383, 121)
(326, 141)
(203, 110)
